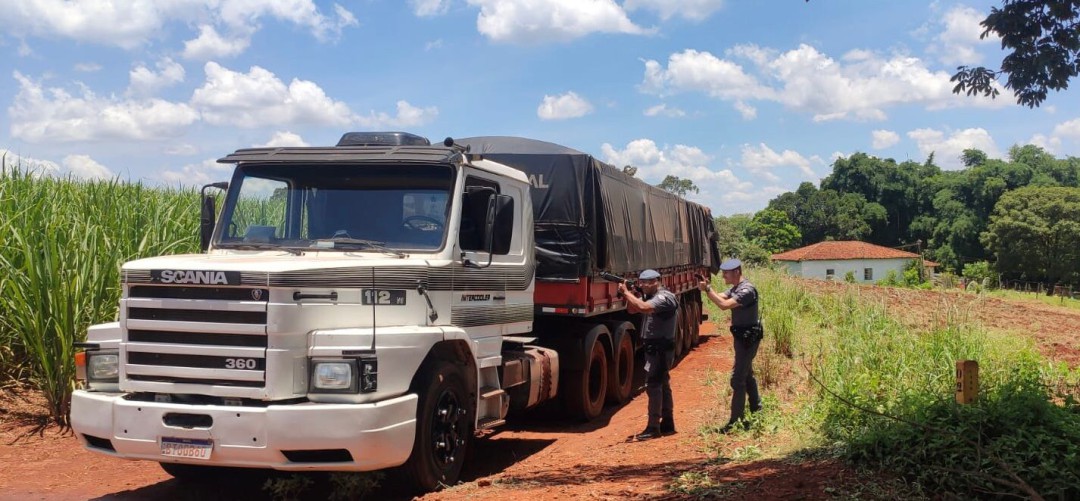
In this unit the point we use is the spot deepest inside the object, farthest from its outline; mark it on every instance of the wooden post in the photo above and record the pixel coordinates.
(967, 381)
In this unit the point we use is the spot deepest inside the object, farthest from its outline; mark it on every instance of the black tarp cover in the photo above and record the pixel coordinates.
(590, 216)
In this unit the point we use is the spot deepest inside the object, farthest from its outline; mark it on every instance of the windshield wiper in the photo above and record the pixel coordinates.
(251, 246)
(371, 244)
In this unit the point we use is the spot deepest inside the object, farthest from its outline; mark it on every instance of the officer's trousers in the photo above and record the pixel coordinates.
(743, 384)
(658, 386)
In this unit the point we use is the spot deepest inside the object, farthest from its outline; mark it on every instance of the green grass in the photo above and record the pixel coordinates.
(62, 242)
(852, 364)
(1031, 296)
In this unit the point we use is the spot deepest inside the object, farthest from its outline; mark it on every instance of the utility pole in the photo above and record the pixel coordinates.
(922, 262)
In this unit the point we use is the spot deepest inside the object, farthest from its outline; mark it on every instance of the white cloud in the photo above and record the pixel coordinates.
(695, 10)
(432, 45)
(860, 86)
(145, 82)
(41, 114)
(564, 106)
(539, 21)
(663, 110)
(948, 149)
(1068, 130)
(134, 23)
(881, 139)
(958, 42)
(198, 174)
(430, 7)
(693, 71)
(655, 163)
(79, 166)
(87, 67)
(211, 45)
(748, 112)
(258, 98)
(763, 161)
(34, 166)
(283, 138)
(181, 149)
(407, 116)
(84, 167)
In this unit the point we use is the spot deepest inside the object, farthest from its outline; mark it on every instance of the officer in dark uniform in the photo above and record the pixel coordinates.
(660, 307)
(746, 332)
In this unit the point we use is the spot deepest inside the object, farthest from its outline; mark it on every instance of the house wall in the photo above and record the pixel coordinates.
(840, 267)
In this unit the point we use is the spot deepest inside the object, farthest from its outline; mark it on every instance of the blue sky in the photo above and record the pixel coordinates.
(746, 98)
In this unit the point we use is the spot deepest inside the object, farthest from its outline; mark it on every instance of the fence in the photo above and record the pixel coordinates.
(1062, 291)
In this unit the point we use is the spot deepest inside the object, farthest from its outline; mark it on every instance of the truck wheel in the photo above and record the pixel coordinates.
(586, 389)
(621, 374)
(443, 430)
(680, 335)
(695, 323)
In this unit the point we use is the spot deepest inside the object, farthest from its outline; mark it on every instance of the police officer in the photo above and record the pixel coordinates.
(660, 307)
(746, 332)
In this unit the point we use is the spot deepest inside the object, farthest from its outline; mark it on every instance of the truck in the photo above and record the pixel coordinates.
(383, 302)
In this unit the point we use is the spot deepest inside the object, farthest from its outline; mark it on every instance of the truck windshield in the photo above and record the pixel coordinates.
(377, 208)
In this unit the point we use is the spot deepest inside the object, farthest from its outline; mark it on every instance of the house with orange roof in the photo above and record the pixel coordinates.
(832, 260)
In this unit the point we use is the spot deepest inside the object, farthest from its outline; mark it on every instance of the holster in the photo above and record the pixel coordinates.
(748, 332)
(658, 346)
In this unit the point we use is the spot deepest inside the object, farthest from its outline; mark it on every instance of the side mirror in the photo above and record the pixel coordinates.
(207, 216)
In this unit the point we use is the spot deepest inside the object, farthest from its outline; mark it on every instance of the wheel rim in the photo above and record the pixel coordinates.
(448, 429)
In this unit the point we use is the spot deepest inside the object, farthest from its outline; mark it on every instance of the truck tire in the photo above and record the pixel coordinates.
(695, 323)
(444, 419)
(680, 334)
(586, 390)
(621, 368)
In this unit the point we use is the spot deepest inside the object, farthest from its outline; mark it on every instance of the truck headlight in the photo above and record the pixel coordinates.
(102, 366)
(334, 376)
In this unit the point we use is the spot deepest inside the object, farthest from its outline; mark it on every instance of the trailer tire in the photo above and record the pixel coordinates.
(444, 419)
(621, 373)
(586, 390)
(680, 335)
(695, 323)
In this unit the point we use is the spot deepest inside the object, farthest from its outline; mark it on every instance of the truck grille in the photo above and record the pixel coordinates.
(212, 336)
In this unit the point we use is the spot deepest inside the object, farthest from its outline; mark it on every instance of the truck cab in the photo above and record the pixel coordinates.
(357, 307)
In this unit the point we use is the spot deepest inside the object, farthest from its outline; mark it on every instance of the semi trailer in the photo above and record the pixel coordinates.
(381, 302)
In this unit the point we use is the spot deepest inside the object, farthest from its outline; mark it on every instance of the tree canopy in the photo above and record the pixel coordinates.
(897, 204)
(1035, 234)
(676, 185)
(1043, 43)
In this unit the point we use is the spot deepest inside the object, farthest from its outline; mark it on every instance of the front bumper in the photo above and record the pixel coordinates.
(376, 435)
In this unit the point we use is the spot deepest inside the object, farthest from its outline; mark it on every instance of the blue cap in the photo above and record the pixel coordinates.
(649, 274)
(730, 264)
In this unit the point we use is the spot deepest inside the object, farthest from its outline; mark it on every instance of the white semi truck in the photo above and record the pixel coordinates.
(379, 303)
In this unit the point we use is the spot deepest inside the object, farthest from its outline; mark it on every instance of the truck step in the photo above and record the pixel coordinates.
(489, 423)
(487, 392)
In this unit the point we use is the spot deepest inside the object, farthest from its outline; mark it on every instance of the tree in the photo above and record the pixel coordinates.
(1044, 40)
(678, 186)
(1035, 234)
(772, 230)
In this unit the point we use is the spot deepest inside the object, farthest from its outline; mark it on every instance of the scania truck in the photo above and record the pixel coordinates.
(382, 302)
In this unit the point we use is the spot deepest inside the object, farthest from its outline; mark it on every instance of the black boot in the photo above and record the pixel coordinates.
(650, 432)
(667, 426)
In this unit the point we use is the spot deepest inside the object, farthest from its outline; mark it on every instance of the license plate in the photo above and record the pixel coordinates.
(188, 448)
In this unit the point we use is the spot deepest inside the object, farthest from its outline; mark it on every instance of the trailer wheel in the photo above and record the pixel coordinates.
(695, 323)
(680, 334)
(586, 390)
(443, 430)
(621, 375)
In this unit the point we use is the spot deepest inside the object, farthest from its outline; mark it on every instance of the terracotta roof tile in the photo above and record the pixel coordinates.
(831, 250)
